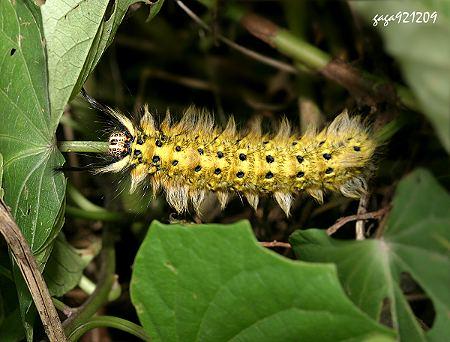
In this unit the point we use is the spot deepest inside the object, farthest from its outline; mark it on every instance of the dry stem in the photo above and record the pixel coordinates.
(342, 221)
(33, 278)
(362, 209)
(276, 244)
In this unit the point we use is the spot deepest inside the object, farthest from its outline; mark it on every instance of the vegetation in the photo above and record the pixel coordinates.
(126, 267)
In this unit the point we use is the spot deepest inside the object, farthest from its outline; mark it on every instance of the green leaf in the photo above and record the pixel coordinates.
(415, 241)
(64, 268)
(423, 53)
(215, 283)
(155, 7)
(77, 32)
(33, 190)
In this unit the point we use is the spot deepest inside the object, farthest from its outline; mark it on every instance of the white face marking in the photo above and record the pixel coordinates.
(118, 142)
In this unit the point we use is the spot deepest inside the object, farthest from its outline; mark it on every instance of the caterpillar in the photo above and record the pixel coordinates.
(193, 156)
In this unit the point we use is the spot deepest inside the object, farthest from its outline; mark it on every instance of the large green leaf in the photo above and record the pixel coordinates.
(215, 283)
(77, 32)
(423, 53)
(32, 188)
(415, 241)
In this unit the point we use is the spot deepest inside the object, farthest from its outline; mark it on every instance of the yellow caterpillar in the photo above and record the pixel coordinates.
(191, 157)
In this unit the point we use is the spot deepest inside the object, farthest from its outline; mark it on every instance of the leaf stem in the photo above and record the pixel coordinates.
(83, 146)
(89, 287)
(111, 322)
(290, 45)
(103, 215)
(384, 133)
(80, 200)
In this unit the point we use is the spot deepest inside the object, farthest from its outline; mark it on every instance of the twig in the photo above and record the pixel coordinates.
(249, 53)
(275, 244)
(362, 209)
(33, 278)
(342, 221)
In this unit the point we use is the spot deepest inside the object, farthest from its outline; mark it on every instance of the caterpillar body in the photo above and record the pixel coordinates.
(190, 157)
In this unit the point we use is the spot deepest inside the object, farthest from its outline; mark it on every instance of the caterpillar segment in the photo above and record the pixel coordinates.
(191, 157)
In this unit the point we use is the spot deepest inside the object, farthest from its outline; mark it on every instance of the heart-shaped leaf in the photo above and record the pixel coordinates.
(215, 283)
(415, 241)
(33, 190)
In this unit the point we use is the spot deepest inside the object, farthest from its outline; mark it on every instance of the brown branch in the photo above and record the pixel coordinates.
(275, 244)
(342, 221)
(33, 278)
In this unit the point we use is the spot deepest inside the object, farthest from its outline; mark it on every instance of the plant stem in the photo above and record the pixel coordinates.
(82, 201)
(104, 215)
(111, 322)
(89, 286)
(292, 46)
(83, 146)
(65, 309)
(360, 83)
(104, 285)
(385, 133)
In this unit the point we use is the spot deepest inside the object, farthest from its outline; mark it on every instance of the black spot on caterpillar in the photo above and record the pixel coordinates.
(190, 157)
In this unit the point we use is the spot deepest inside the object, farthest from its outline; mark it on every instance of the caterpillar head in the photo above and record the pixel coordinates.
(119, 144)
